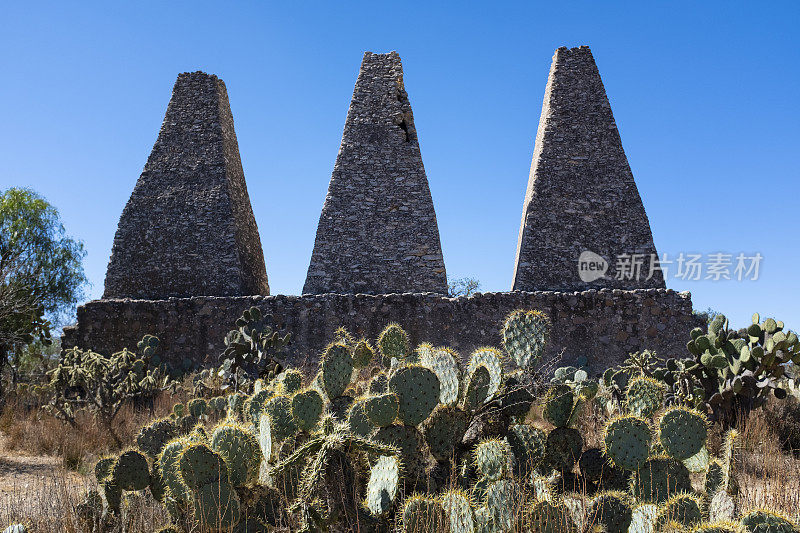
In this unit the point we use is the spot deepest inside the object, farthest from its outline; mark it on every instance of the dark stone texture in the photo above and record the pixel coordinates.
(377, 233)
(603, 325)
(188, 228)
(581, 193)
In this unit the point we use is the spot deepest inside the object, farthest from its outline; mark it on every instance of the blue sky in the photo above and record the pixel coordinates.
(705, 95)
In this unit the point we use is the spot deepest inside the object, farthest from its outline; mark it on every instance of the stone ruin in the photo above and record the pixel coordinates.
(187, 257)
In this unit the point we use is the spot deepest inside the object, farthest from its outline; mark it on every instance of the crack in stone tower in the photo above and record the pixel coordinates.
(581, 193)
(378, 233)
(188, 228)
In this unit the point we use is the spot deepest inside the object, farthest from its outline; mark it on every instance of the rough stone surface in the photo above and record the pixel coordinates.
(603, 325)
(188, 228)
(581, 193)
(377, 233)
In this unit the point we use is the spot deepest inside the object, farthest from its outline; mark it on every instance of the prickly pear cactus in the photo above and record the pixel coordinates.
(363, 353)
(458, 511)
(492, 457)
(279, 410)
(722, 526)
(492, 359)
(525, 334)
(410, 442)
(307, 407)
(291, 381)
(240, 450)
(417, 389)
(546, 516)
(422, 514)
(131, 471)
(200, 465)
(153, 437)
(337, 370)
(558, 405)
(627, 441)
(197, 407)
(682, 432)
(660, 478)
(684, 508)
(714, 477)
(444, 363)
(382, 409)
(612, 511)
(644, 396)
(393, 343)
(384, 479)
(477, 390)
(765, 521)
(443, 431)
(501, 507)
(528, 444)
(563, 448)
(357, 419)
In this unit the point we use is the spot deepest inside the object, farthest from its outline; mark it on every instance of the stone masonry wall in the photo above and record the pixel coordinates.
(188, 227)
(377, 233)
(581, 194)
(603, 325)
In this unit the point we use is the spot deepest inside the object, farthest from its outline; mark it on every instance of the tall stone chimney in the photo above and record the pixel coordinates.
(581, 196)
(188, 228)
(377, 233)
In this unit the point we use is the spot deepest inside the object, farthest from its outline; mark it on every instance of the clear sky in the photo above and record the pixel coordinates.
(705, 95)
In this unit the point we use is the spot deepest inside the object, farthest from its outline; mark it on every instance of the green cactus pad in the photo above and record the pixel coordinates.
(714, 477)
(422, 514)
(477, 389)
(337, 370)
(563, 448)
(682, 432)
(291, 381)
(660, 478)
(255, 404)
(153, 437)
(644, 396)
(357, 419)
(363, 353)
(723, 526)
(279, 410)
(197, 407)
(548, 516)
(611, 511)
(200, 465)
(382, 409)
(384, 479)
(558, 405)
(169, 467)
(502, 503)
(131, 471)
(417, 389)
(240, 450)
(765, 521)
(236, 402)
(684, 508)
(443, 431)
(528, 444)
(525, 334)
(393, 343)
(379, 383)
(626, 441)
(492, 457)
(492, 359)
(458, 511)
(265, 442)
(444, 363)
(410, 443)
(103, 467)
(216, 506)
(307, 407)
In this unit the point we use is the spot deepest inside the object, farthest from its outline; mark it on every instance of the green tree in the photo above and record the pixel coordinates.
(41, 271)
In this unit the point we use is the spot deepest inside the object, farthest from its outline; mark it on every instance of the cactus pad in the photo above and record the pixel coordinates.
(216, 506)
(627, 441)
(131, 471)
(682, 432)
(492, 457)
(384, 479)
(410, 443)
(765, 521)
(279, 410)
(240, 450)
(153, 437)
(443, 431)
(493, 361)
(660, 478)
(382, 409)
(393, 343)
(611, 511)
(458, 511)
(684, 508)
(558, 405)
(291, 380)
(307, 409)
(644, 396)
(197, 407)
(528, 445)
(444, 363)
(563, 448)
(422, 514)
(545, 516)
(200, 465)
(714, 477)
(417, 389)
(337, 370)
(363, 353)
(525, 335)
(477, 390)
(357, 419)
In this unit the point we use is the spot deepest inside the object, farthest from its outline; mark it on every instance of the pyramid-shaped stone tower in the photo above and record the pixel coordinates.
(188, 228)
(377, 233)
(581, 194)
